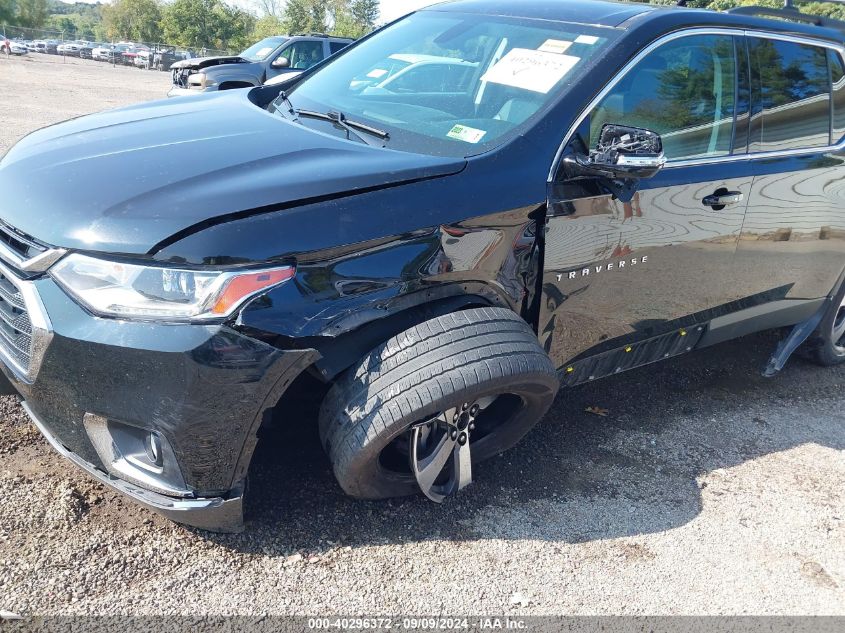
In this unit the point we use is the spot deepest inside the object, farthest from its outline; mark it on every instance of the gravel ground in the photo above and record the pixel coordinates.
(706, 490)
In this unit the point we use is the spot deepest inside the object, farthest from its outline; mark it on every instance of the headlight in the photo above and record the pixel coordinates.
(200, 80)
(135, 291)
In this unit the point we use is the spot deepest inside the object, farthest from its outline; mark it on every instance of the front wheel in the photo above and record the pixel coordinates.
(419, 411)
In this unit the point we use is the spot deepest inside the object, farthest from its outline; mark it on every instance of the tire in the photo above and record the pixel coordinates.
(457, 358)
(827, 345)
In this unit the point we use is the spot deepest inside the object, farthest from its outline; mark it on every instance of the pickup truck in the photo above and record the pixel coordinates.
(276, 56)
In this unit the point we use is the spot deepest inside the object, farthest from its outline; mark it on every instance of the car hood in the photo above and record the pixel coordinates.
(125, 180)
(204, 62)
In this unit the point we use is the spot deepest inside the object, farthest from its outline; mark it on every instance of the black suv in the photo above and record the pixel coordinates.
(280, 55)
(580, 188)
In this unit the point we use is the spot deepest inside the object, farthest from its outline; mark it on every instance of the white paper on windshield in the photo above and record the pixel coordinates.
(261, 54)
(555, 46)
(586, 39)
(527, 69)
(466, 133)
(377, 73)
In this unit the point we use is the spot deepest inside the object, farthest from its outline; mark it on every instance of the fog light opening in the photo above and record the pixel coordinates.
(154, 449)
(136, 455)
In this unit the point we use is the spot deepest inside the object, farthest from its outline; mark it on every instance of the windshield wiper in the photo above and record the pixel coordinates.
(355, 127)
(284, 98)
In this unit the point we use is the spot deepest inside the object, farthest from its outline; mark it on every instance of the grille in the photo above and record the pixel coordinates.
(21, 243)
(15, 326)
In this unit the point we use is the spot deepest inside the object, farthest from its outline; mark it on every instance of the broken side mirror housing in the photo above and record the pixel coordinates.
(623, 156)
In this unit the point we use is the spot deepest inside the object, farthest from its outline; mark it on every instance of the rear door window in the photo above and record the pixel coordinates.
(685, 90)
(791, 95)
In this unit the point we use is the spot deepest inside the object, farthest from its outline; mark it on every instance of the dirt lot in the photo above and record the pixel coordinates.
(706, 490)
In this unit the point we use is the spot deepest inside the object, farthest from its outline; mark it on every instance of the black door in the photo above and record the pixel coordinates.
(793, 241)
(617, 272)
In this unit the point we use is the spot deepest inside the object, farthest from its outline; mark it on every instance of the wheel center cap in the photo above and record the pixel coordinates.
(463, 421)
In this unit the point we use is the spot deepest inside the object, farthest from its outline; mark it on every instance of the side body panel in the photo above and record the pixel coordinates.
(619, 272)
(793, 241)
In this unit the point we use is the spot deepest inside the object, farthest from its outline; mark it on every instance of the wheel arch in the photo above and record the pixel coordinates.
(231, 84)
(340, 352)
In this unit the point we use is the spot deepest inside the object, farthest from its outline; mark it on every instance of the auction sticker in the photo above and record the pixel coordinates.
(537, 71)
(586, 39)
(555, 46)
(466, 133)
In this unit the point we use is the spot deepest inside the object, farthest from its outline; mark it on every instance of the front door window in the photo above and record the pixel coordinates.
(684, 91)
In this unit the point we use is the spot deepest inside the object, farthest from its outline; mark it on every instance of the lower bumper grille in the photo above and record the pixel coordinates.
(15, 324)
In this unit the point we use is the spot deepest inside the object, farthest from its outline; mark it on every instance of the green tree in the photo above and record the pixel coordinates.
(306, 16)
(32, 13)
(8, 10)
(206, 24)
(365, 13)
(275, 8)
(64, 24)
(298, 16)
(234, 27)
(136, 20)
(267, 26)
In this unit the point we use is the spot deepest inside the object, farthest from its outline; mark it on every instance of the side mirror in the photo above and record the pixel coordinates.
(281, 62)
(622, 153)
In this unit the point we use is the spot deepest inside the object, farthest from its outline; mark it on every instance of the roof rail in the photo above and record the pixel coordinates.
(311, 35)
(790, 12)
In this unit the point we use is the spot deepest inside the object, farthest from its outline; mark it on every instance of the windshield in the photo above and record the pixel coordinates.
(450, 84)
(259, 51)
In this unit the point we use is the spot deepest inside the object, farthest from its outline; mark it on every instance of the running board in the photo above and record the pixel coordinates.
(633, 355)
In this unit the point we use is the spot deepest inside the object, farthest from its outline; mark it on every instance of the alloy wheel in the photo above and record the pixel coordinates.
(440, 449)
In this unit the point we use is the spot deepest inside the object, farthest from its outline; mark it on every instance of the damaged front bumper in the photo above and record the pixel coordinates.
(166, 414)
(217, 514)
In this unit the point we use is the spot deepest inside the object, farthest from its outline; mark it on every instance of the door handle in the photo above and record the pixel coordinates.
(721, 199)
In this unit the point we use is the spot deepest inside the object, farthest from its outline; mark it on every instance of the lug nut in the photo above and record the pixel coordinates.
(474, 411)
(464, 406)
(454, 434)
(462, 439)
(471, 426)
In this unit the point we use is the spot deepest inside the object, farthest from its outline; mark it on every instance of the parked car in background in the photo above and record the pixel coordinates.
(17, 48)
(52, 47)
(142, 59)
(70, 49)
(101, 53)
(87, 50)
(115, 53)
(164, 59)
(271, 57)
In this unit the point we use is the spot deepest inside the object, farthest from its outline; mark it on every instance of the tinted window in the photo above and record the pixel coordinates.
(334, 47)
(302, 55)
(684, 91)
(837, 76)
(792, 108)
